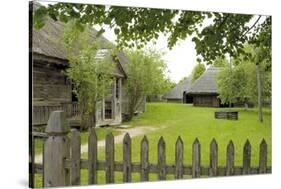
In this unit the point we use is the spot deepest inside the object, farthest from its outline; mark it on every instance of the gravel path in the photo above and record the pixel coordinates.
(133, 132)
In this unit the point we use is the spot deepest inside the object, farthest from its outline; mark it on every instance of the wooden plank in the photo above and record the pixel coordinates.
(127, 153)
(75, 156)
(161, 159)
(56, 150)
(31, 160)
(213, 158)
(144, 172)
(263, 157)
(179, 159)
(39, 134)
(92, 157)
(196, 159)
(230, 159)
(246, 158)
(109, 156)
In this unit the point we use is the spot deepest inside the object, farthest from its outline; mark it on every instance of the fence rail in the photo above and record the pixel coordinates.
(40, 114)
(69, 163)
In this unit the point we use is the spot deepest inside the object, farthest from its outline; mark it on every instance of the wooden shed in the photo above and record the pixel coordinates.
(178, 93)
(204, 90)
(52, 90)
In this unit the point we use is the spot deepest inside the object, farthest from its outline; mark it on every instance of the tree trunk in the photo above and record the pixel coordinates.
(259, 87)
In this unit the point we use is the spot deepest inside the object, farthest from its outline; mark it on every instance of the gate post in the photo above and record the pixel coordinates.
(56, 150)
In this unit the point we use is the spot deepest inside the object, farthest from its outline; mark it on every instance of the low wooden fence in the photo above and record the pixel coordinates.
(40, 114)
(62, 159)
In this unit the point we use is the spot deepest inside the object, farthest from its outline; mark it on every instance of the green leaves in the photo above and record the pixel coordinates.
(214, 34)
(91, 77)
(197, 71)
(39, 17)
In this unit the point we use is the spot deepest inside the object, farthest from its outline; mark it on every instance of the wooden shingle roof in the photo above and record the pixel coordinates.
(177, 91)
(45, 42)
(206, 83)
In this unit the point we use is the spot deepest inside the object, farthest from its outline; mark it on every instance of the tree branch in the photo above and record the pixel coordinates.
(251, 27)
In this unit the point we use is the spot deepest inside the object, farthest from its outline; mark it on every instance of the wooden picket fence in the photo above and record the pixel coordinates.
(62, 158)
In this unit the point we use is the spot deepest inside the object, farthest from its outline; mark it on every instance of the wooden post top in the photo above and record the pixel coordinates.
(57, 123)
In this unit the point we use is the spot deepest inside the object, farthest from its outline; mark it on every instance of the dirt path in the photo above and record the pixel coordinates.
(133, 132)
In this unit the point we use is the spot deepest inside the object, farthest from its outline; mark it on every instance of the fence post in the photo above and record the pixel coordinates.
(56, 150)
(230, 159)
(109, 156)
(144, 159)
(161, 159)
(196, 159)
(179, 159)
(213, 158)
(263, 157)
(92, 157)
(246, 158)
(75, 156)
(127, 152)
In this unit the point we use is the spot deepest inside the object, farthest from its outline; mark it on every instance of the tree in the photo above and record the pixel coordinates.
(240, 82)
(232, 84)
(91, 77)
(197, 71)
(133, 26)
(220, 62)
(146, 76)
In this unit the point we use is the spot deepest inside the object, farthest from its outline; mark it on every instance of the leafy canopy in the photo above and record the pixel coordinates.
(197, 71)
(135, 26)
(239, 82)
(146, 76)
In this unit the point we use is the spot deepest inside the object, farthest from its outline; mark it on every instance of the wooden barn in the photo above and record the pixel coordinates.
(52, 90)
(178, 93)
(204, 90)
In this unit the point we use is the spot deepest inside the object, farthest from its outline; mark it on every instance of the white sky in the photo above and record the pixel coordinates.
(180, 59)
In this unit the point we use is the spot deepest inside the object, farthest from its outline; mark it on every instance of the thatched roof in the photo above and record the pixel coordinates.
(177, 91)
(206, 83)
(46, 41)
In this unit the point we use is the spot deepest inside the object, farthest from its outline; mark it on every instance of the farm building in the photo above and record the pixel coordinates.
(52, 90)
(178, 93)
(204, 90)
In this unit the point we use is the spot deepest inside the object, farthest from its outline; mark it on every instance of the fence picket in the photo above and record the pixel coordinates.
(263, 157)
(196, 159)
(75, 156)
(246, 158)
(230, 159)
(92, 157)
(56, 150)
(109, 156)
(213, 158)
(127, 152)
(144, 173)
(161, 159)
(179, 159)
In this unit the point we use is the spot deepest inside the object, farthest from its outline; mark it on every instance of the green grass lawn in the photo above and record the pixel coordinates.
(190, 122)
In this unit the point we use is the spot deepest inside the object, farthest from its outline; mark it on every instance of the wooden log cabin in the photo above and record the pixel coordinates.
(205, 90)
(178, 93)
(52, 90)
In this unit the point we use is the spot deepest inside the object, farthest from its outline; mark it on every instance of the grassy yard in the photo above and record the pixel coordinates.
(190, 122)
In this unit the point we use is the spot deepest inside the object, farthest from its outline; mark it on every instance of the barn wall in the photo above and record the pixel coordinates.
(50, 85)
(206, 100)
(174, 100)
